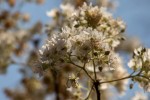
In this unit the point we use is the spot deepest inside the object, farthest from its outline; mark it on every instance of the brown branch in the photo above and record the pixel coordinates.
(81, 67)
(130, 76)
(96, 85)
(89, 93)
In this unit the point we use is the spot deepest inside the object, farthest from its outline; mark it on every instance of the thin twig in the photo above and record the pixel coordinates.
(89, 93)
(88, 74)
(130, 76)
(83, 68)
(117, 79)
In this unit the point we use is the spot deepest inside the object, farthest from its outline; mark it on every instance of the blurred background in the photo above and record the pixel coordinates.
(135, 13)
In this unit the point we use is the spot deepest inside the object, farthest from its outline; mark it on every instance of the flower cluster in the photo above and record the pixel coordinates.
(88, 43)
(93, 33)
(140, 63)
(7, 42)
(101, 20)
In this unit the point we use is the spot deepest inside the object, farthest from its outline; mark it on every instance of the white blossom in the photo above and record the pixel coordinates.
(140, 63)
(67, 9)
(52, 13)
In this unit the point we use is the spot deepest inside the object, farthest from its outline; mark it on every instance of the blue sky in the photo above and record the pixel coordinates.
(135, 13)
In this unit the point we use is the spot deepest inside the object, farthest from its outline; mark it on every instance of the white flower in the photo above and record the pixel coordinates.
(146, 55)
(105, 12)
(138, 51)
(140, 59)
(67, 9)
(131, 63)
(52, 13)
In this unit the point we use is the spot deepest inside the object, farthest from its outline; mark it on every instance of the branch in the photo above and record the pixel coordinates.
(89, 93)
(83, 68)
(98, 93)
(130, 76)
(117, 79)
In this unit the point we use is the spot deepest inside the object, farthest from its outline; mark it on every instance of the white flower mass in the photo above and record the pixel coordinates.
(83, 36)
(88, 41)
